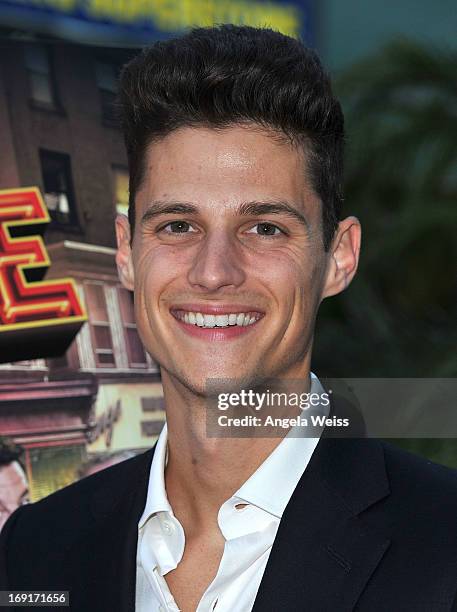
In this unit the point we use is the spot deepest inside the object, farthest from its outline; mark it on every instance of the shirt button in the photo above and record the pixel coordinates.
(167, 527)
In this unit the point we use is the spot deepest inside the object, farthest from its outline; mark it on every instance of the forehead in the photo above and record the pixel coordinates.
(236, 157)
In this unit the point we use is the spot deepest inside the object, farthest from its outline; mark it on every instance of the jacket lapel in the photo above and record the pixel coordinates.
(108, 550)
(323, 555)
(325, 551)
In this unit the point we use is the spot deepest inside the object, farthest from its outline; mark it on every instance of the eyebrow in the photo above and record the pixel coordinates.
(253, 208)
(273, 208)
(168, 208)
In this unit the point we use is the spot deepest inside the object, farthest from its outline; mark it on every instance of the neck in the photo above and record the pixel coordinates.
(203, 472)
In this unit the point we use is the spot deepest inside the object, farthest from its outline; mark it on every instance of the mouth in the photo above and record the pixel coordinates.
(216, 322)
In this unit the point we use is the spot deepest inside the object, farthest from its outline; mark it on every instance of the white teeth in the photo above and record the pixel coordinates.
(208, 320)
(222, 320)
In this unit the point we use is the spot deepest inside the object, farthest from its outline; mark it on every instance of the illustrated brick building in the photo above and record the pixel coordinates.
(58, 131)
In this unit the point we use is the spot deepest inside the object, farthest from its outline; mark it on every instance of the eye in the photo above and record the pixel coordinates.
(267, 229)
(177, 227)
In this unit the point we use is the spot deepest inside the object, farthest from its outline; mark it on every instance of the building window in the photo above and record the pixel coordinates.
(106, 74)
(99, 323)
(151, 428)
(152, 404)
(135, 351)
(58, 187)
(121, 189)
(28, 364)
(41, 78)
(110, 340)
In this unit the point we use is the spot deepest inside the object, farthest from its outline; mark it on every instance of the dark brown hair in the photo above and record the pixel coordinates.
(226, 75)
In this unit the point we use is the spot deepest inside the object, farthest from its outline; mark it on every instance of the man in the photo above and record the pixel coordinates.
(235, 146)
(14, 489)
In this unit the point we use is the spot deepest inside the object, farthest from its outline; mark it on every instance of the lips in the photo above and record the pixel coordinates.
(242, 319)
(216, 321)
(216, 309)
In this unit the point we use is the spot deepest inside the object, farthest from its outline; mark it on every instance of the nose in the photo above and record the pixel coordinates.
(218, 263)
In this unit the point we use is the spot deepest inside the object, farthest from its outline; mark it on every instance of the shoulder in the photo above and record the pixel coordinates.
(69, 510)
(410, 469)
(420, 489)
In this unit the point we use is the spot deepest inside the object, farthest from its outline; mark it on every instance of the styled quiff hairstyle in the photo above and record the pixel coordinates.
(222, 76)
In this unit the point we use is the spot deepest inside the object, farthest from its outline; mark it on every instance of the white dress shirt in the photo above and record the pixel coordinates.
(249, 532)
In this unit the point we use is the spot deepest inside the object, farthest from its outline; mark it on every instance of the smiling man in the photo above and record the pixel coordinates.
(234, 238)
(227, 259)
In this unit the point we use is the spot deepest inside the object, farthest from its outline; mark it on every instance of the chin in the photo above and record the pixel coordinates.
(222, 381)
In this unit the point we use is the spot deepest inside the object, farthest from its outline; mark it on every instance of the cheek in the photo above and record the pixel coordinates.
(156, 268)
(150, 276)
(295, 279)
(289, 274)
(155, 271)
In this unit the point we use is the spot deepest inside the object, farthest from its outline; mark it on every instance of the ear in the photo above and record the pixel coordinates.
(343, 257)
(124, 252)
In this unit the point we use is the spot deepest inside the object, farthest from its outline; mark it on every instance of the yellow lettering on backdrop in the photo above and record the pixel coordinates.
(167, 14)
(173, 15)
(138, 10)
(99, 8)
(286, 20)
(207, 12)
(197, 12)
(118, 10)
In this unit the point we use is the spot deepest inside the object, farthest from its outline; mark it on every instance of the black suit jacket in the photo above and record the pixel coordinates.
(369, 528)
